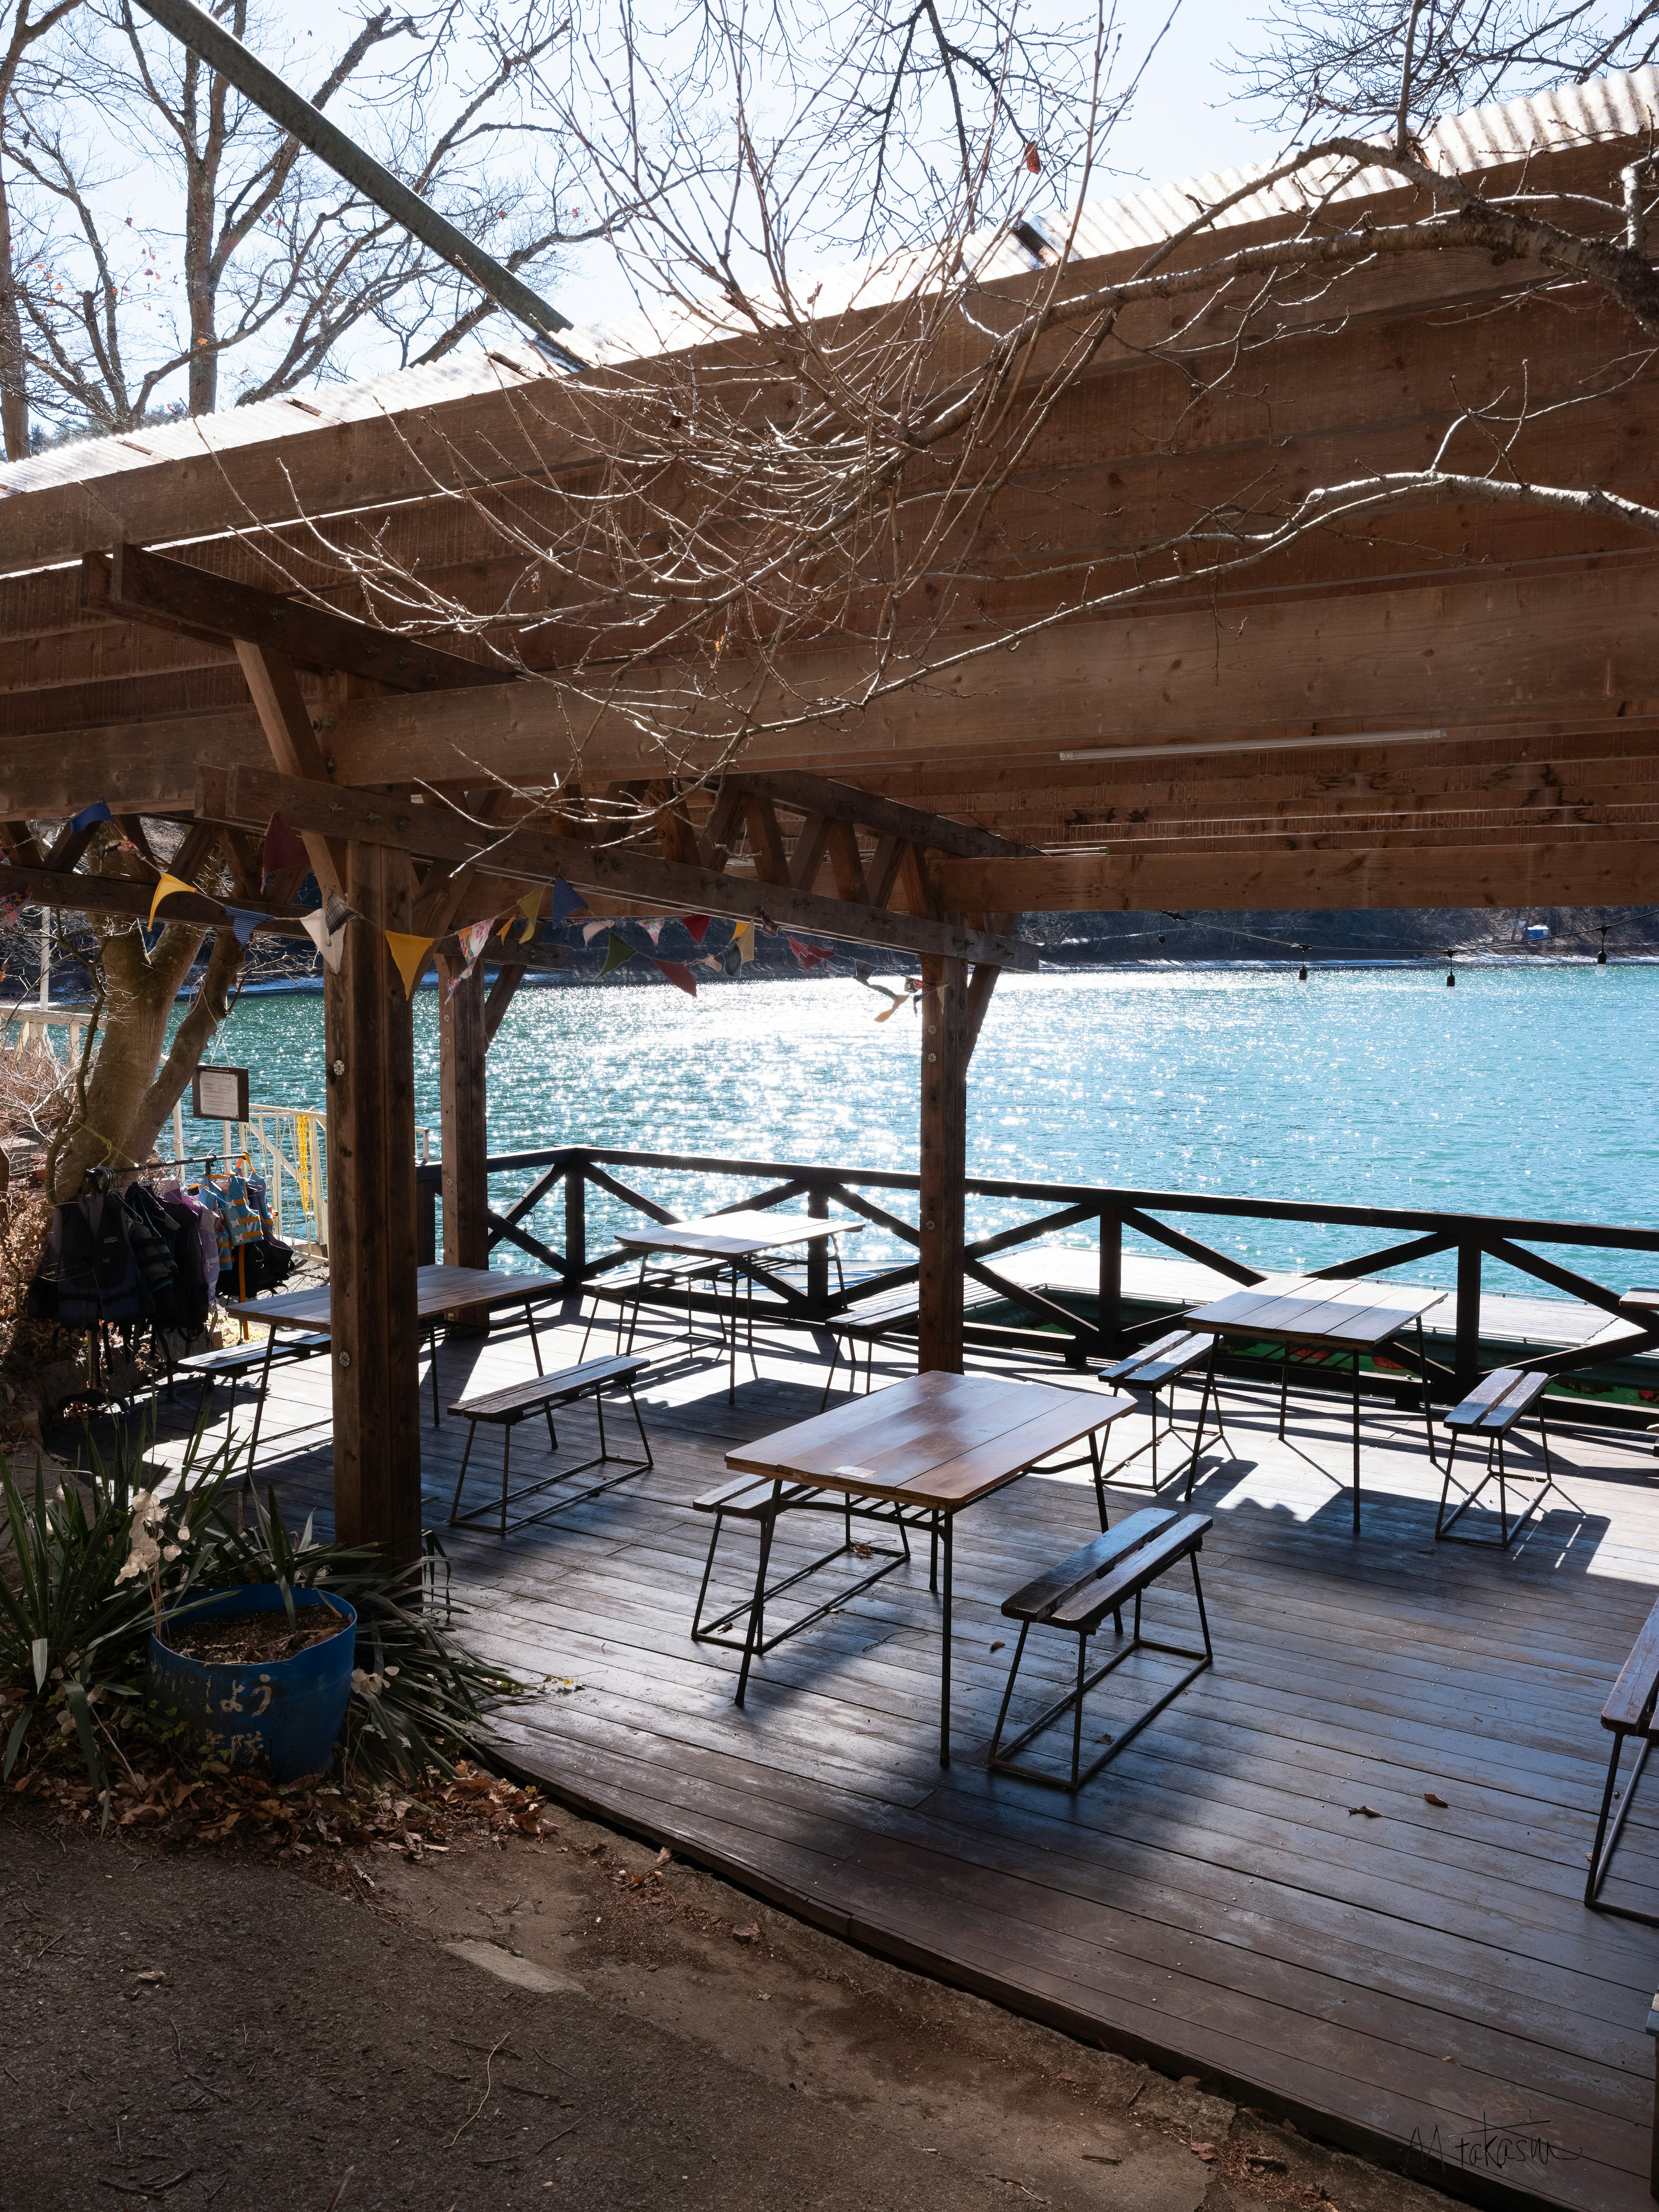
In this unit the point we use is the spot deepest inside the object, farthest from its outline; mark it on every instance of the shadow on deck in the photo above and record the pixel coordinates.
(1404, 1979)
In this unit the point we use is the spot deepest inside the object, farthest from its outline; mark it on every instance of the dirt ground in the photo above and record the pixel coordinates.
(562, 2022)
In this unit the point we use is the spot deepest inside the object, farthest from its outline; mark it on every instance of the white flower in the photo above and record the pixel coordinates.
(169, 1551)
(367, 1685)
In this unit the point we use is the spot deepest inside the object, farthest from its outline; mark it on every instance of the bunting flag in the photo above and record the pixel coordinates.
(166, 888)
(89, 816)
(336, 913)
(331, 943)
(678, 973)
(652, 925)
(474, 937)
(743, 937)
(285, 848)
(698, 926)
(244, 921)
(530, 907)
(565, 901)
(617, 954)
(731, 959)
(409, 954)
(10, 910)
(810, 956)
(592, 929)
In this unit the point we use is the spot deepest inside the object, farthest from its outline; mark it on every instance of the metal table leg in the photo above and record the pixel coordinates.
(259, 1409)
(535, 1341)
(1356, 1443)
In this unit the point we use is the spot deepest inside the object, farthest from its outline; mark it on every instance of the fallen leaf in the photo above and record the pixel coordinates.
(749, 1934)
(1429, 1798)
(1206, 2151)
(153, 1974)
(1000, 1647)
(664, 1855)
(1190, 2081)
(1369, 1811)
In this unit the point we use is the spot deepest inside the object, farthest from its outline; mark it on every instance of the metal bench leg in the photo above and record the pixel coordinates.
(1607, 1832)
(1100, 1479)
(1356, 1443)
(1198, 1439)
(708, 1570)
(535, 1341)
(1503, 1497)
(471, 1432)
(507, 1453)
(1008, 1691)
(1441, 1523)
(432, 1347)
(769, 1522)
(1077, 1711)
(1284, 1394)
(639, 1422)
(835, 1361)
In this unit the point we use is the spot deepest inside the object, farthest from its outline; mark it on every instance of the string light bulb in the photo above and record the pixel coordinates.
(1451, 979)
(1601, 957)
(1302, 972)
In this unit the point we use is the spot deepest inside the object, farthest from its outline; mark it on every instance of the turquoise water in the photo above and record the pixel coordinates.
(1527, 1091)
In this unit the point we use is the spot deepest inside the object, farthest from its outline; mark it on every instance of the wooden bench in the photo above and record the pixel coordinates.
(1076, 1596)
(236, 1361)
(1492, 1410)
(889, 1314)
(1629, 1712)
(540, 1393)
(1159, 1366)
(631, 1286)
(758, 1501)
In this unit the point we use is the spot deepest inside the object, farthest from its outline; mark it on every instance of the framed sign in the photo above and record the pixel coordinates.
(220, 1094)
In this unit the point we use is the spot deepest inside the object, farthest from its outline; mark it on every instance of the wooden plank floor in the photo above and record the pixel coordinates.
(1214, 1900)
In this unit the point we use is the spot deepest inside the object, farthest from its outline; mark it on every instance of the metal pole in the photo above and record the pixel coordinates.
(195, 28)
(1466, 1360)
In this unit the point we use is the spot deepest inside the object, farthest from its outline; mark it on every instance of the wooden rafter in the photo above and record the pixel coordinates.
(249, 796)
(143, 586)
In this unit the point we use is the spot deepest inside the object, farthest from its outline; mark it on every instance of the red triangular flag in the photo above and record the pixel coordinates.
(285, 848)
(809, 956)
(698, 926)
(678, 972)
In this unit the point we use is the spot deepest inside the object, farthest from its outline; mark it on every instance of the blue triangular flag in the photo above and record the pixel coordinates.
(84, 820)
(565, 901)
(244, 921)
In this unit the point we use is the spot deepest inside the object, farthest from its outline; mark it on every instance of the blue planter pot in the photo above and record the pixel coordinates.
(289, 1711)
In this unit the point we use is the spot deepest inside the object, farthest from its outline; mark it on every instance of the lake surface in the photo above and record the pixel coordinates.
(1525, 1090)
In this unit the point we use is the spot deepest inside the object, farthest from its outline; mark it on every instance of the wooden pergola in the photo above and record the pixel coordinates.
(1452, 714)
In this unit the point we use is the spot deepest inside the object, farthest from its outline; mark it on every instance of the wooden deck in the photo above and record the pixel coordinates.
(1215, 1901)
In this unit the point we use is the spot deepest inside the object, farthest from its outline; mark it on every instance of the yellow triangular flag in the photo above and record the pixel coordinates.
(530, 908)
(409, 953)
(165, 889)
(745, 940)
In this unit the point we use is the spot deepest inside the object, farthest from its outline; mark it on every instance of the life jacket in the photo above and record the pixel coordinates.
(88, 1272)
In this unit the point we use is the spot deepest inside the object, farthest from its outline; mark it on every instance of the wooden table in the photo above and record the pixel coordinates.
(938, 1443)
(734, 1240)
(438, 1290)
(1327, 1315)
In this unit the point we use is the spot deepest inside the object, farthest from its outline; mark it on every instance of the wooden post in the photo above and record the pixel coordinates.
(1467, 1359)
(575, 1236)
(1109, 1312)
(462, 1112)
(371, 1235)
(944, 1051)
(817, 1252)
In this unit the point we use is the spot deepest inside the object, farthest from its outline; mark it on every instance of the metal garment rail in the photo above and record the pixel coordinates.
(1415, 1235)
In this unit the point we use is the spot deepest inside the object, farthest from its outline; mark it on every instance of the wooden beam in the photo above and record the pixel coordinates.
(844, 802)
(83, 894)
(254, 795)
(371, 1249)
(462, 1108)
(808, 856)
(142, 586)
(1612, 872)
(943, 1163)
(285, 721)
(503, 992)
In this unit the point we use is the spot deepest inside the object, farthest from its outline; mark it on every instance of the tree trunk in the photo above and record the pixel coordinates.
(123, 1106)
(14, 390)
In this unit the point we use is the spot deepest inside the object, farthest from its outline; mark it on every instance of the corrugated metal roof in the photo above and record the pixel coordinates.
(1609, 107)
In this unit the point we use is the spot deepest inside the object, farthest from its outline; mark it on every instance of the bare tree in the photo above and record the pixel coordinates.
(797, 505)
(160, 230)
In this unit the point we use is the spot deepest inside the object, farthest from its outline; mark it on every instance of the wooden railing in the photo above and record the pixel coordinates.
(807, 1297)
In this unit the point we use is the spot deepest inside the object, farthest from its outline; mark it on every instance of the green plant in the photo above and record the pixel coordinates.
(85, 1586)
